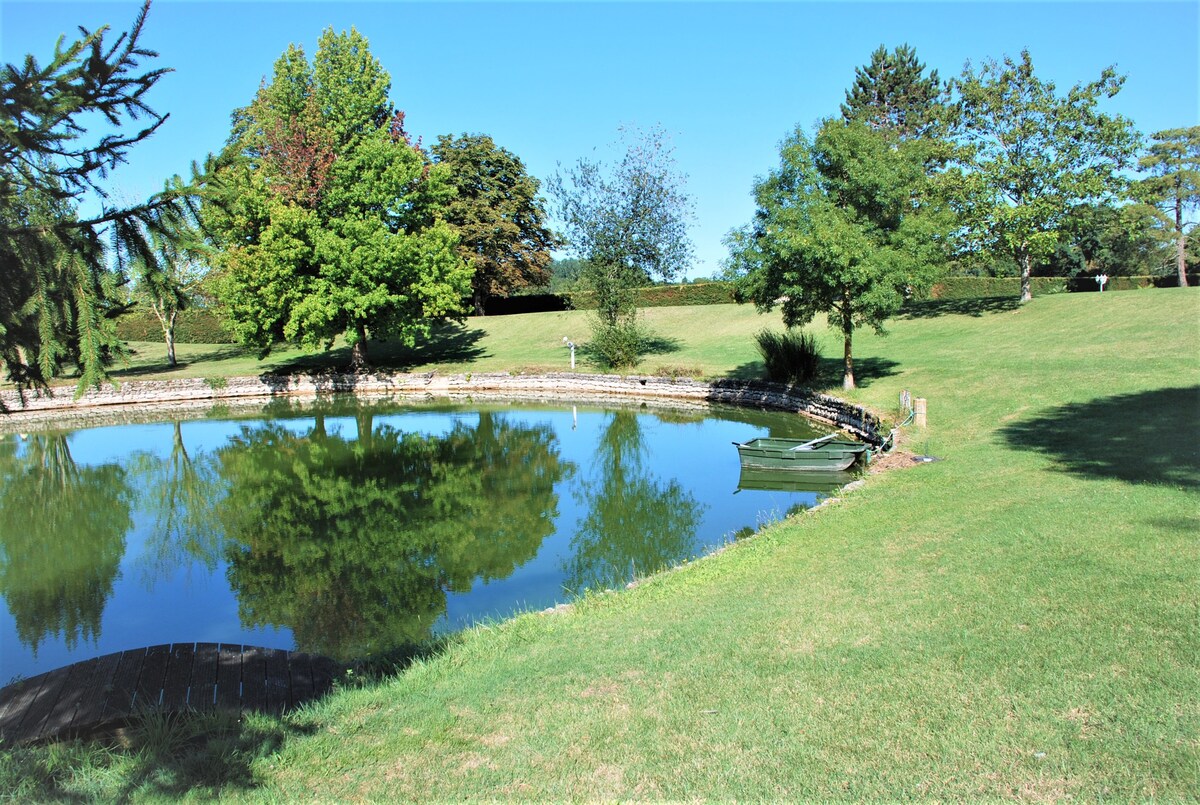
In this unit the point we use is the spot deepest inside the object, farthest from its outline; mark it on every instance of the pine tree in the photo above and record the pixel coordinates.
(1173, 184)
(893, 94)
(58, 291)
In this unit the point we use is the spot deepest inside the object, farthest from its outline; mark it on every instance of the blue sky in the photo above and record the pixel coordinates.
(553, 81)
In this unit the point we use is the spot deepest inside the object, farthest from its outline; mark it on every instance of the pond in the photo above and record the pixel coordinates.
(351, 528)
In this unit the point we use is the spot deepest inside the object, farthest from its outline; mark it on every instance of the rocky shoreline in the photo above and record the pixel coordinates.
(150, 399)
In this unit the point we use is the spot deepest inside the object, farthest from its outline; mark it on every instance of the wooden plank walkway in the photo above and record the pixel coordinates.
(105, 691)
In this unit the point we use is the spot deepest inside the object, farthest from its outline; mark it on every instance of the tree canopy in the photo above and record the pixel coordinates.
(329, 217)
(498, 215)
(62, 270)
(1031, 155)
(634, 215)
(849, 224)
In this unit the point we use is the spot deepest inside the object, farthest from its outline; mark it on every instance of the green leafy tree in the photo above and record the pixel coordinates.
(329, 217)
(629, 224)
(498, 215)
(1031, 155)
(62, 540)
(566, 275)
(1105, 239)
(354, 543)
(59, 294)
(1172, 185)
(848, 225)
(894, 94)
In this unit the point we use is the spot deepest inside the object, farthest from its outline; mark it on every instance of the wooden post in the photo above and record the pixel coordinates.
(919, 412)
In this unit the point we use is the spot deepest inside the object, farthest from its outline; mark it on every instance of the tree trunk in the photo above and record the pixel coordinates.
(358, 353)
(848, 332)
(1180, 244)
(479, 300)
(1026, 261)
(848, 377)
(166, 318)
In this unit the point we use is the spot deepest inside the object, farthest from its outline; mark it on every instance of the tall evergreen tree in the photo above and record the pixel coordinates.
(328, 216)
(499, 217)
(58, 292)
(1172, 185)
(894, 94)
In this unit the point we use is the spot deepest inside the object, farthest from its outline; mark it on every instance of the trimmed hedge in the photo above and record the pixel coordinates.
(195, 326)
(703, 293)
(526, 303)
(1088, 283)
(984, 287)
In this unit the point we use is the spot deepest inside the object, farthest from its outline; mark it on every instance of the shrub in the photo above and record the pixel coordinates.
(790, 357)
(618, 345)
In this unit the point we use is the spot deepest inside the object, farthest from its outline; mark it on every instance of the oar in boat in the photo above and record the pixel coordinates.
(810, 445)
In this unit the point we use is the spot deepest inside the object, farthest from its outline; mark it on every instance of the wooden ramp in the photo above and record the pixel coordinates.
(107, 690)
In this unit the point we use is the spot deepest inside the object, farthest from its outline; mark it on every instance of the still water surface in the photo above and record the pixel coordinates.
(351, 528)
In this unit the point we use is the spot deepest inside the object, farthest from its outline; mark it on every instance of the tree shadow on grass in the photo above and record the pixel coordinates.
(829, 373)
(931, 308)
(652, 344)
(1151, 437)
(226, 352)
(447, 343)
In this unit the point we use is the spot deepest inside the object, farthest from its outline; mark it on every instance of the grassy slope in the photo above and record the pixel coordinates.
(696, 341)
(1007, 622)
(1021, 619)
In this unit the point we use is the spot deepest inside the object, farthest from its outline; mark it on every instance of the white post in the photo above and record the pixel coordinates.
(1101, 279)
(570, 344)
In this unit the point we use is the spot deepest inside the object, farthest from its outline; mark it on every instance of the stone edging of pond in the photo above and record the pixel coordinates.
(59, 403)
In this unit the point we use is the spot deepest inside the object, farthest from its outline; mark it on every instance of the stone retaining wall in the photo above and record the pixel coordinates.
(31, 408)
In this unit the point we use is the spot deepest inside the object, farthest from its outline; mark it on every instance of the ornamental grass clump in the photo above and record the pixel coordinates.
(790, 357)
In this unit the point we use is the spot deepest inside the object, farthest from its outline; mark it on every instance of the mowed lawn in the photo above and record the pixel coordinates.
(1019, 620)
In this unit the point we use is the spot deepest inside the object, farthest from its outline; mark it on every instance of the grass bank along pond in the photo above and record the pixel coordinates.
(350, 528)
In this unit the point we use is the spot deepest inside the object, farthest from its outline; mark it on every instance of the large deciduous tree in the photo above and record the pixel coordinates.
(1031, 155)
(62, 269)
(498, 215)
(329, 217)
(1172, 184)
(847, 225)
(894, 94)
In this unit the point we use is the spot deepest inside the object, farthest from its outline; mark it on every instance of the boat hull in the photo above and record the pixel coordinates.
(767, 480)
(831, 455)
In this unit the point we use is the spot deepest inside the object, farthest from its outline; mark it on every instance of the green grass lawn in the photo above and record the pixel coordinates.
(693, 341)
(1020, 620)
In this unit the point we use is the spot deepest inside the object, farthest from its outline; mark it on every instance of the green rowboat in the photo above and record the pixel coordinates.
(825, 454)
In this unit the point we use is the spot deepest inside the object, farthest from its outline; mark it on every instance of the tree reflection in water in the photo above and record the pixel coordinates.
(353, 544)
(180, 492)
(636, 523)
(62, 538)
